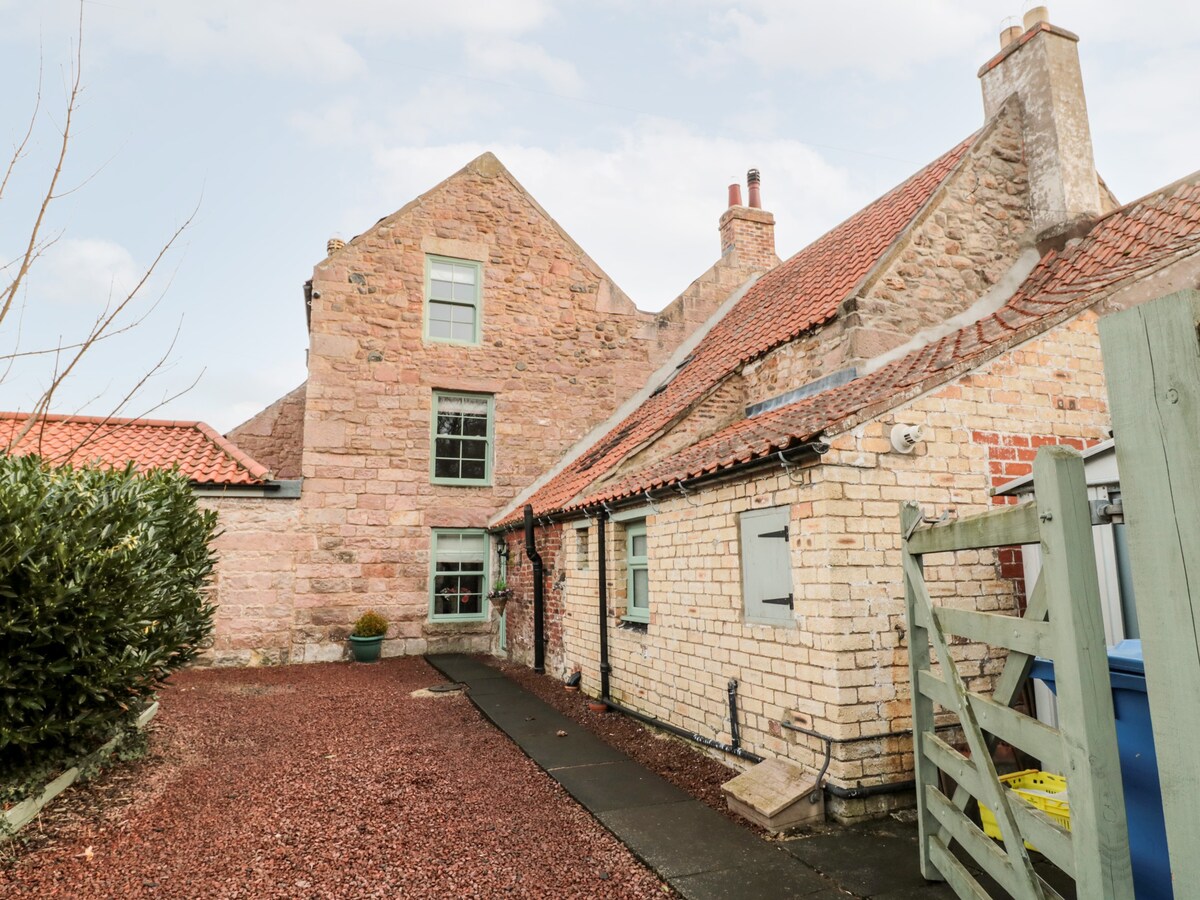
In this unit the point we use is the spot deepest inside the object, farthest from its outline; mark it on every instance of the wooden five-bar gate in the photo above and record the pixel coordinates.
(1062, 622)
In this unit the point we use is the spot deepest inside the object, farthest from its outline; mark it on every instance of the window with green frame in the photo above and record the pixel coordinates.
(452, 293)
(458, 580)
(462, 438)
(637, 608)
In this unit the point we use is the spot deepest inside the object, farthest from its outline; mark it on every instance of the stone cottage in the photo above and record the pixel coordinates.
(741, 524)
(257, 512)
(458, 349)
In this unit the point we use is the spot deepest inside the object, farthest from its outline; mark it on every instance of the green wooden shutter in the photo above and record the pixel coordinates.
(767, 565)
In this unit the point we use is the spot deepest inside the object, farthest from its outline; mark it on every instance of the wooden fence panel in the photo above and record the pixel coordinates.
(1152, 368)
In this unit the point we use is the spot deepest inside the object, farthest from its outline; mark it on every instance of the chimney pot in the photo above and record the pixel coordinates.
(1036, 16)
(735, 194)
(1010, 34)
(333, 245)
(753, 186)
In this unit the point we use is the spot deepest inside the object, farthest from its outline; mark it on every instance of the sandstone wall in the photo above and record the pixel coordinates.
(254, 580)
(561, 349)
(970, 235)
(275, 437)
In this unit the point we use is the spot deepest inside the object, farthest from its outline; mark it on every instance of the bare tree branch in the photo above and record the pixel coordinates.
(8, 293)
(117, 316)
(19, 152)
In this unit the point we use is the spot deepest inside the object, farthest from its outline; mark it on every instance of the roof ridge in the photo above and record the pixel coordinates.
(234, 452)
(99, 420)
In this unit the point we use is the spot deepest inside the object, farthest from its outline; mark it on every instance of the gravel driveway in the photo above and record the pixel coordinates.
(331, 781)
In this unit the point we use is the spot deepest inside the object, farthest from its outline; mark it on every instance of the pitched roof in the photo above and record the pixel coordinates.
(203, 456)
(794, 297)
(1124, 246)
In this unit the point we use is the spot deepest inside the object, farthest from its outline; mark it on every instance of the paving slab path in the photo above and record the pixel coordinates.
(701, 854)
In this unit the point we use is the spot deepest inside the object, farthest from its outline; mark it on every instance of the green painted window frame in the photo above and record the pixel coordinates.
(488, 440)
(438, 535)
(476, 303)
(633, 564)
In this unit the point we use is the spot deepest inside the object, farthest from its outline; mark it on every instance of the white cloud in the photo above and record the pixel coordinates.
(886, 38)
(323, 41)
(82, 272)
(645, 208)
(501, 56)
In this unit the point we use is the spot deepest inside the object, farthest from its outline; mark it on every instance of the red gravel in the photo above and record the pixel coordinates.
(330, 781)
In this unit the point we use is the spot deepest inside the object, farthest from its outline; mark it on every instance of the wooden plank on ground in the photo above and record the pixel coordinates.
(21, 814)
(1152, 367)
(995, 528)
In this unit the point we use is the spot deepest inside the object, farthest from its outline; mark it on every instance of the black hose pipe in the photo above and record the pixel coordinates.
(539, 599)
(683, 733)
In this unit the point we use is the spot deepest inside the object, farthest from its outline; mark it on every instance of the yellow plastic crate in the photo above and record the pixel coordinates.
(1033, 786)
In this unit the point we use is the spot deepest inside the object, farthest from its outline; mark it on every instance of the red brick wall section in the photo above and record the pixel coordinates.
(519, 612)
(1010, 456)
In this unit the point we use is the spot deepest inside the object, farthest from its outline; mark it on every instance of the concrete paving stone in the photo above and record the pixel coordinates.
(616, 785)
(782, 880)
(510, 710)
(687, 838)
(578, 748)
(493, 687)
(866, 859)
(461, 668)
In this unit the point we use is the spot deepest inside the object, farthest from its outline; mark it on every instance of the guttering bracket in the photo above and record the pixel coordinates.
(788, 467)
(650, 502)
(683, 492)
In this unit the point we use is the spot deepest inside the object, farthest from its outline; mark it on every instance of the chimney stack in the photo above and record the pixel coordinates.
(735, 193)
(333, 245)
(1040, 67)
(748, 232)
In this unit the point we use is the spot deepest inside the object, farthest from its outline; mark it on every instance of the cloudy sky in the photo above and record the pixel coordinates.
(284, 122)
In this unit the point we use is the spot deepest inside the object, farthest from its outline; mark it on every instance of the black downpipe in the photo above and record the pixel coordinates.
(602, 574)
(735, 737)
(683, 733)
(539, 612)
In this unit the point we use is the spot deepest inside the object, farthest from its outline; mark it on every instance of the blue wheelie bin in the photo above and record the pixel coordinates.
(1139, 768)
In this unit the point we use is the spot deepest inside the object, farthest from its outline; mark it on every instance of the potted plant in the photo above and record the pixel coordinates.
(367, 636)
(499, 594)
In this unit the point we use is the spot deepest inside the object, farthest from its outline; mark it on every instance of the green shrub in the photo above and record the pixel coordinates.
(370, 624)
(103, 578)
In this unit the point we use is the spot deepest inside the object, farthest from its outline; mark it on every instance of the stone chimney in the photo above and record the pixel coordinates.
(748, 232)
(1040, 66)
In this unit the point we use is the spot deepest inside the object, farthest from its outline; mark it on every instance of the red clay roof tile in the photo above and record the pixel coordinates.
(203, 456)
(794, 297)
(1053, 292)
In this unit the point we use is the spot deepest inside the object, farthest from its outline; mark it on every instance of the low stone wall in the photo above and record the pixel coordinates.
(254, 581)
